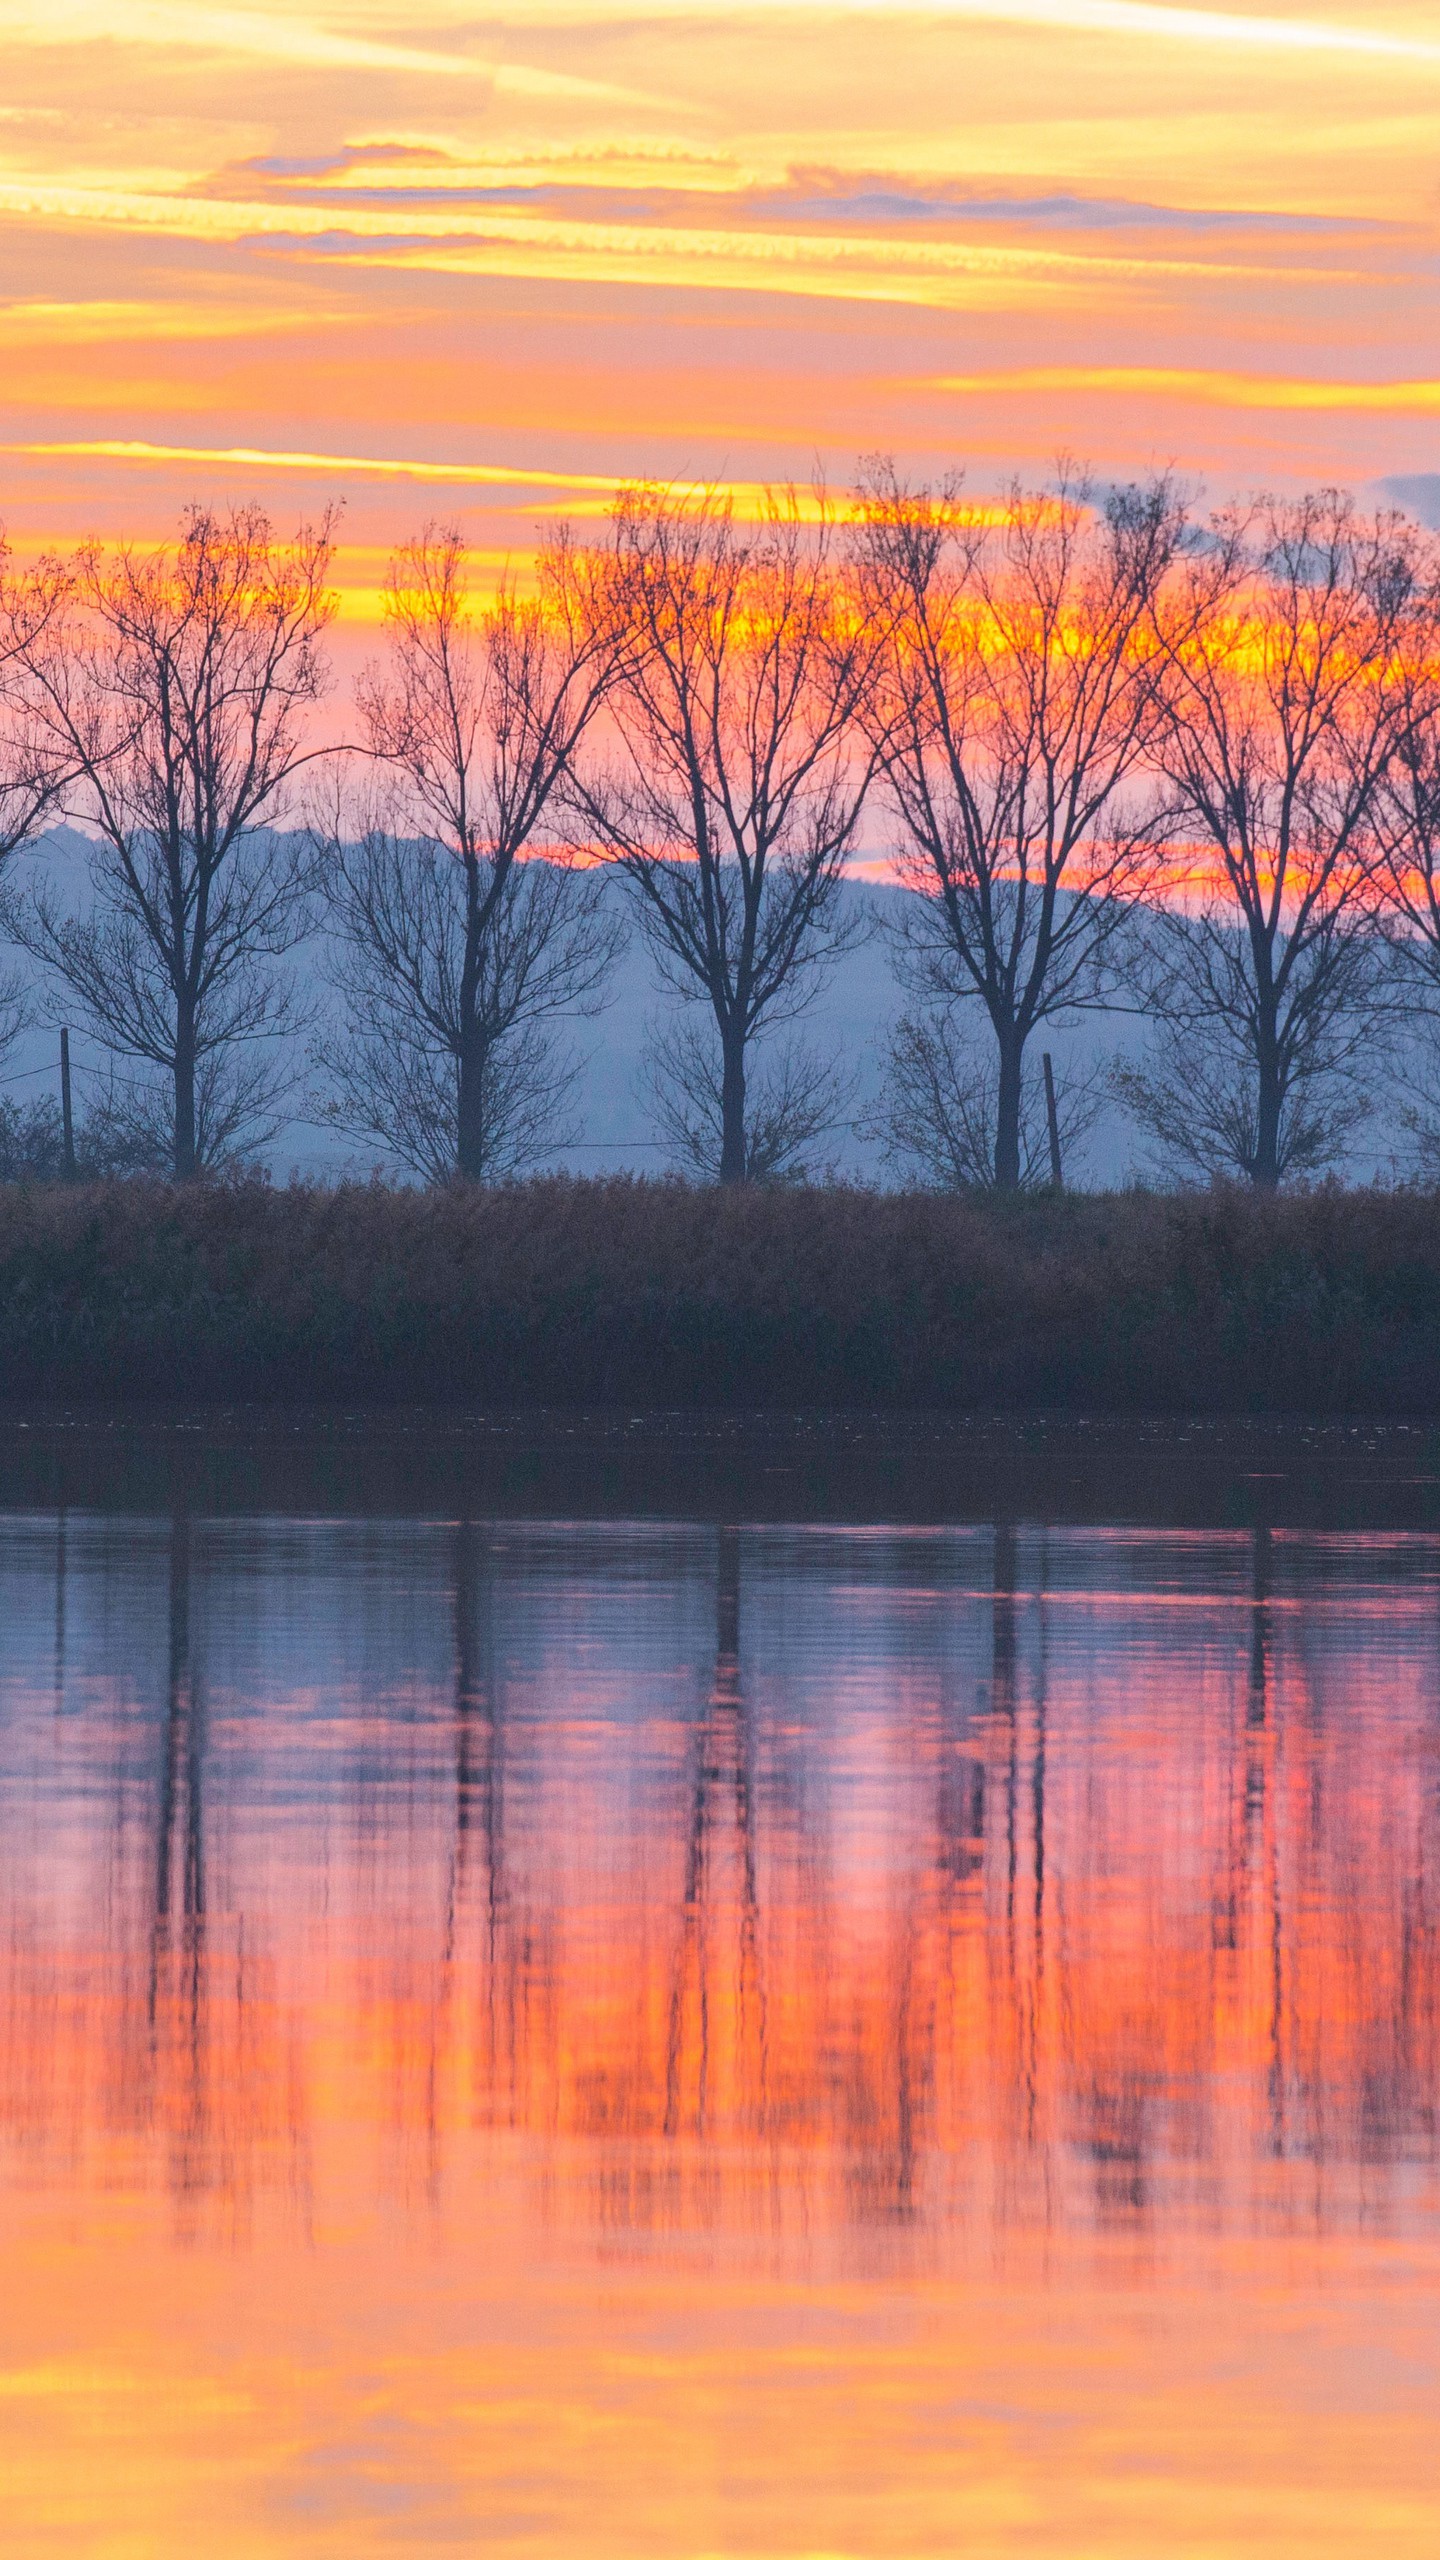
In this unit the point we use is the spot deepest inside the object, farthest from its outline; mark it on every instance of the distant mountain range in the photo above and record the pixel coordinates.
(848, 1018)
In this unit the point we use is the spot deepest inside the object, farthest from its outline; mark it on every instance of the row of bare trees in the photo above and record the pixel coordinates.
(1116, 758)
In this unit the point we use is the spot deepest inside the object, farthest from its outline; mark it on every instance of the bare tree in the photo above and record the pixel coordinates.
(1020, 697)
(1281, 641)
(456, 951)
(175, 687)
(112, 1137)
(935, 1116)
(1406, 814)
(32, 775)
(732, 803)
(796, 1097)
(32, 772)
(1407, 829)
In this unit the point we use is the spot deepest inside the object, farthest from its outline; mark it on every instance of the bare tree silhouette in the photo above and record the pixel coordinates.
(1283, 711)
(33, 765)
(1407, 828)
(1021, 693)
(732, 802)
(936, 1114)
(456, 952)
(173, 688)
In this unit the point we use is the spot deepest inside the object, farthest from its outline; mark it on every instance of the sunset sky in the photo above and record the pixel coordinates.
(483, 265)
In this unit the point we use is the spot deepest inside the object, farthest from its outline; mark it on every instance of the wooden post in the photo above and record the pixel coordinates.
(66, 1113)
(1053, 1118)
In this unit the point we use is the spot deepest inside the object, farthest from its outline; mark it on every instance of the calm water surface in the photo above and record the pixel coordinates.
(611, 2039)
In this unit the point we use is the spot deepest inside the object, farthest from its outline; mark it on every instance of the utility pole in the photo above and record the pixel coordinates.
(1053, 1119)
(66, 1113)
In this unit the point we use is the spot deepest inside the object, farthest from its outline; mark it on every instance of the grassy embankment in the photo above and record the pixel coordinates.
(652, 1294)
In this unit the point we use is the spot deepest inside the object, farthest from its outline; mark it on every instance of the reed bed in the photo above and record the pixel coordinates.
(659, 1294)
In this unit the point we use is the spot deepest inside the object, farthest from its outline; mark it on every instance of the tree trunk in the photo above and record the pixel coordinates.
(732, 1109)
(1265, 1172)
(185, 1163)
(1007, 1115)
(470, 1114)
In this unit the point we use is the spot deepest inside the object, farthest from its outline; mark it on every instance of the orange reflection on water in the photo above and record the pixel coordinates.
(602, 2040)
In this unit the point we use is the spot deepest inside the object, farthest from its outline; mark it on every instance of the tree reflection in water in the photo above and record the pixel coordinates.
(877, 1908)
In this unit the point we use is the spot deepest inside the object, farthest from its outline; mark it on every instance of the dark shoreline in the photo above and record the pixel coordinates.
(347, 1460)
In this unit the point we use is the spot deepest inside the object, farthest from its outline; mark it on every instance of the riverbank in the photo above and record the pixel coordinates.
(657, 1296)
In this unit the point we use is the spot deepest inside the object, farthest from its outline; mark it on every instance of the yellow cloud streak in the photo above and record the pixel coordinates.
(1222, 390)
(389, 162)
(490, 475)
(1124, 18)
(81, 323)
(293, 41)
(943, 274)
(305, 39)
(593, 491)
(290, 39)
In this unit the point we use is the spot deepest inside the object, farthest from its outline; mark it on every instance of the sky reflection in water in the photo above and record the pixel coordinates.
(614, 2040)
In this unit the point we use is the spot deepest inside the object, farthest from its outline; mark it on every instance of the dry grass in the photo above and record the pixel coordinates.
(655, 1294)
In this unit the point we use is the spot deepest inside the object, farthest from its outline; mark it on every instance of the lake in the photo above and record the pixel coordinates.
(651, 2033)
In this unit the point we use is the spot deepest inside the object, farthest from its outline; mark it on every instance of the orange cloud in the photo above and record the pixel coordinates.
(700, 246)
